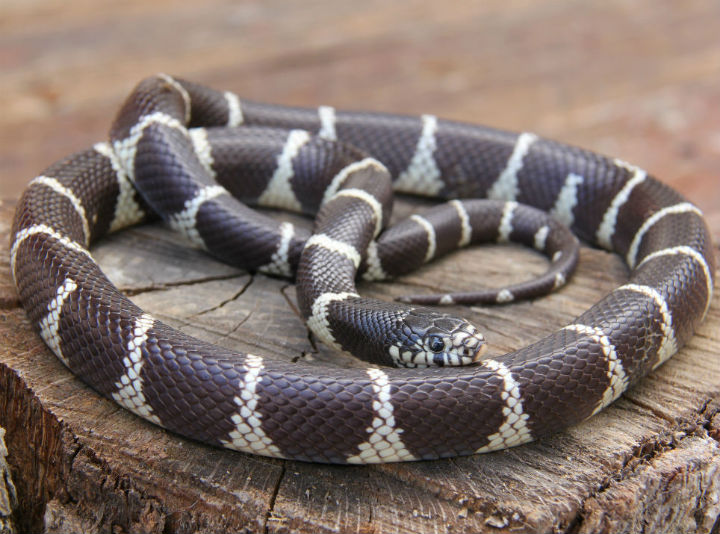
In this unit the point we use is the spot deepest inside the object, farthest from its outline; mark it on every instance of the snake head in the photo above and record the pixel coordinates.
(424, 338)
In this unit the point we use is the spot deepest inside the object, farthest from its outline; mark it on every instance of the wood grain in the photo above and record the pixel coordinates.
(636, 80)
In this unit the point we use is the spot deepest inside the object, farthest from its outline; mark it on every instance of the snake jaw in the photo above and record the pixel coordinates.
(468, 345)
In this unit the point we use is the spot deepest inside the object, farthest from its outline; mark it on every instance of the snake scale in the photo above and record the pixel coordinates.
(177, 148)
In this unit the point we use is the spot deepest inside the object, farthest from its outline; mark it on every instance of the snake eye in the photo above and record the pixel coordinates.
(436, 344)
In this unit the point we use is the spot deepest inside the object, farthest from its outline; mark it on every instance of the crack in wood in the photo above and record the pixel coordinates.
(237, 326)
(223, 303)
(182, 323)
(135, 291)
(290, 301)
(270, 515)
(657, 412)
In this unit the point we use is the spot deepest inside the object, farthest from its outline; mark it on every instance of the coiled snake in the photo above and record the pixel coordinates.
(175, 141)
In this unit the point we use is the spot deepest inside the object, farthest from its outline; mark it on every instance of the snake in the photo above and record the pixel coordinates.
(194, 156)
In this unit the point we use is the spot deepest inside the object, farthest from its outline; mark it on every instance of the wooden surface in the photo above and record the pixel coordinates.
(83, 464)
(637, 80)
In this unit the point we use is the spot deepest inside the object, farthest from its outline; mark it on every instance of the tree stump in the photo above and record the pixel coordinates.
(80, 463)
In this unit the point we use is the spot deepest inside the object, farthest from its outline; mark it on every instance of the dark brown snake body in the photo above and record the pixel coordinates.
(175, 141)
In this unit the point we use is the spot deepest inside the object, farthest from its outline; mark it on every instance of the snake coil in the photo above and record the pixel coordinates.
(174, 141)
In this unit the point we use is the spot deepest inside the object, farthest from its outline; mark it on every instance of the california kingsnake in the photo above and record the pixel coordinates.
(275, 408)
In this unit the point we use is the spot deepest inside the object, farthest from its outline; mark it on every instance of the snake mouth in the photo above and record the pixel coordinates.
(468, 346)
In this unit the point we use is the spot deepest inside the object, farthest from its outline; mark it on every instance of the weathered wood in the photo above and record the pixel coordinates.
(8, 495)
(83, 464)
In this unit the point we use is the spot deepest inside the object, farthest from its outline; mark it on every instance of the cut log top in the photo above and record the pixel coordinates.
(81, 463)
